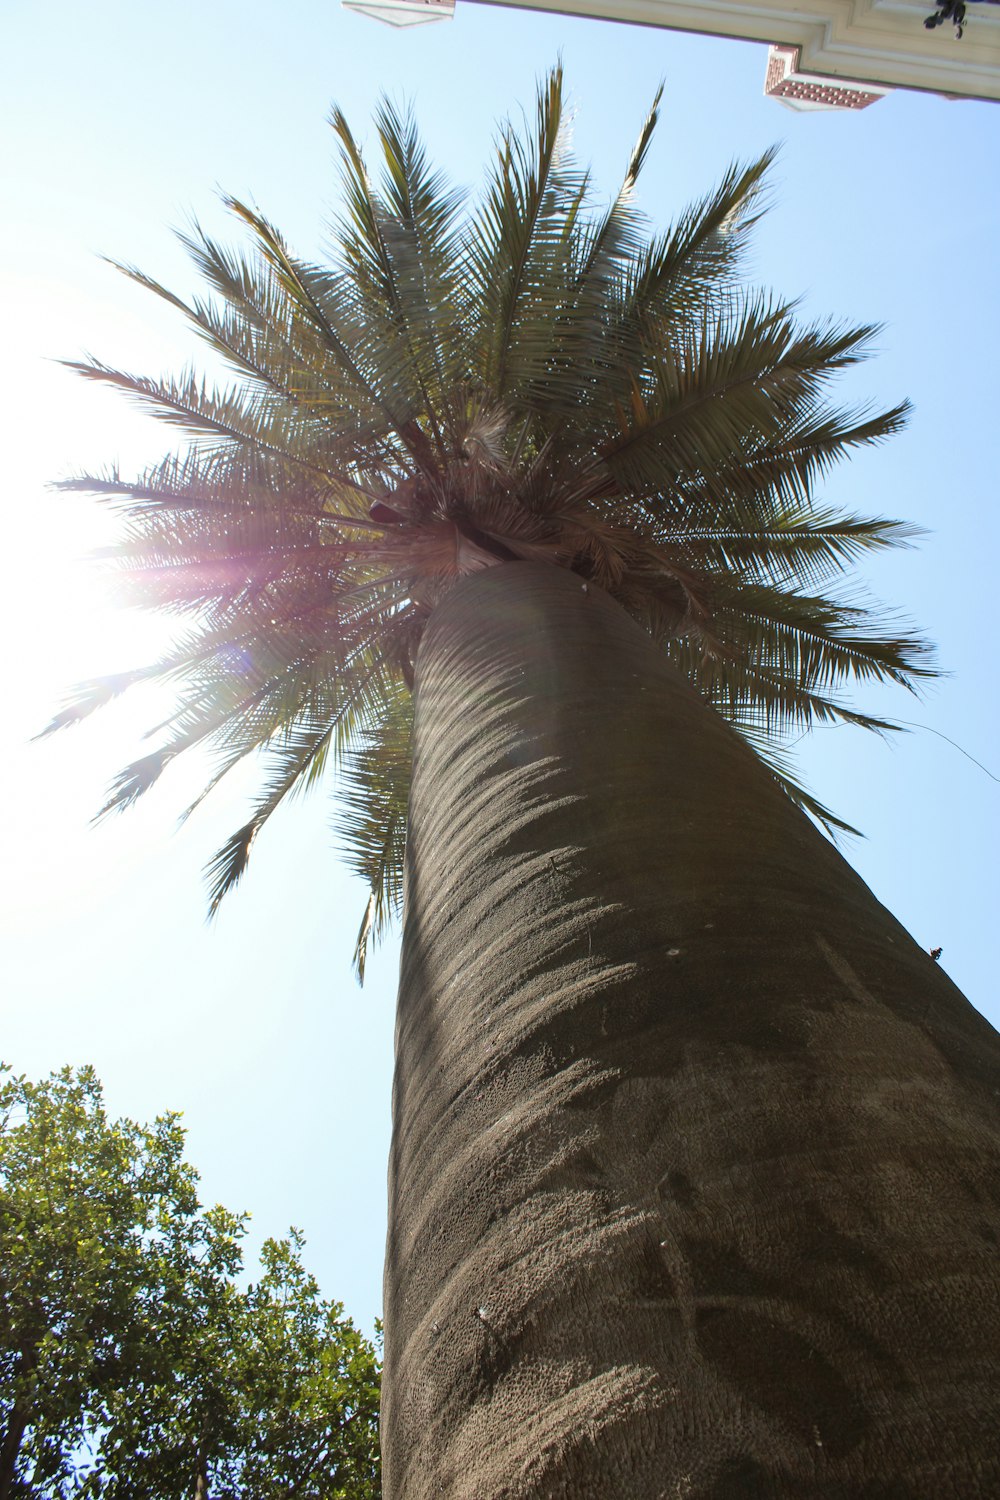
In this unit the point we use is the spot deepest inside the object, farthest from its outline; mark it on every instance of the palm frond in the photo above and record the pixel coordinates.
(692, 267)
(323, 298)
(88, 697)
(748, 371)
(399, 248)
(797, 545)
(773, 474)
(301, 757)
(777, 760)
(371, 821)
(518, 250)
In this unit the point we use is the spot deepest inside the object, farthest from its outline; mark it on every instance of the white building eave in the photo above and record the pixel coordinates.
(875, 41)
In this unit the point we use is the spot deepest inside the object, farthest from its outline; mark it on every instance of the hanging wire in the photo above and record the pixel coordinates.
(912, 724)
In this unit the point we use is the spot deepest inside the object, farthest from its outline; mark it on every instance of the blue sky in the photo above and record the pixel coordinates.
(121, 121)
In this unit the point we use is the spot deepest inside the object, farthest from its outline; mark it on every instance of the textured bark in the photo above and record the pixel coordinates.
(695, 1177)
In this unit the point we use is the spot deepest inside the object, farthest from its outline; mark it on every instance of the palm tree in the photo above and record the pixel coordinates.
(509, 519)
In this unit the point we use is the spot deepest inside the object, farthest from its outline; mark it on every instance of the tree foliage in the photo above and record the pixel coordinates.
(133, 1361)
(538, 377)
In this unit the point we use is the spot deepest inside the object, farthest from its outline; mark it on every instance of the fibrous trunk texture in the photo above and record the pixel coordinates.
(696, 1165)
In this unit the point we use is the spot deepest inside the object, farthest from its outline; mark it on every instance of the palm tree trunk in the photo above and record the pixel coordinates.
(695, 1166)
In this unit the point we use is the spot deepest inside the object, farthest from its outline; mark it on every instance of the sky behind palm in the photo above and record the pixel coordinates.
(120, 121)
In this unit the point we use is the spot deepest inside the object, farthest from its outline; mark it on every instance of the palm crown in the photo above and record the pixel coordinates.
(537, 379)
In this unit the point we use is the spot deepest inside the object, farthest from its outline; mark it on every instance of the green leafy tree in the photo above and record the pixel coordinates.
(133, 1362)
(267, 1393)
(510, 518)
(309, 1383)
(94, 1216)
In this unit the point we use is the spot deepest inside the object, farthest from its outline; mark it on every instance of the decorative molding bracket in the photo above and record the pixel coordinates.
(403, 12)
(786, 82)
